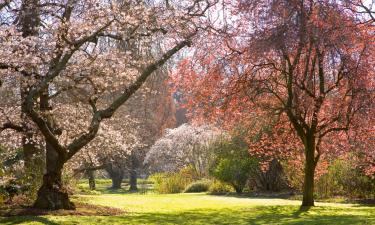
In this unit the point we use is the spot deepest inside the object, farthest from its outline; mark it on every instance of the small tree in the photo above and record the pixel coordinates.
(183, 146)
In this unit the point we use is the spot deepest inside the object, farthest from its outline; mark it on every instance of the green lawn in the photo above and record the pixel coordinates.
(207, 209)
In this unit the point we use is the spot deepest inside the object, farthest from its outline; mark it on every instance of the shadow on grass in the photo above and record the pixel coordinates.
(25, 219)
(256, 215)
(302, 209)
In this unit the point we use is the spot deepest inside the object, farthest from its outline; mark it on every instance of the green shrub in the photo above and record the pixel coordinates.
(198, 186)
(218, 187)
(168, 183)
(233, 163)
(344, 179)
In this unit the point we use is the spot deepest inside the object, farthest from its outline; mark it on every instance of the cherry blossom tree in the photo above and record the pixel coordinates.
(71, 45)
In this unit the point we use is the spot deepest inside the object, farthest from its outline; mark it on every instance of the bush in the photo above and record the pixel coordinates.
(189, 172)
(218, 187)
(168, 183)
(233, 164)
(344, 179)
(198, 186)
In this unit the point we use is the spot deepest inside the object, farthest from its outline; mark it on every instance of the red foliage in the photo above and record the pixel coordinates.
(289, 71)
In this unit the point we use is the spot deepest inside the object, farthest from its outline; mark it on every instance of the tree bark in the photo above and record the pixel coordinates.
(116, 182)
(133, 181)
(117, 175)
(133, 173)
(308, 186)
(52, 195)
(238, 189)
(91, 176)
(28, 22)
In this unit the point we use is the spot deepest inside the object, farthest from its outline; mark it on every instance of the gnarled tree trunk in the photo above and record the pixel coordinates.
(52, 195)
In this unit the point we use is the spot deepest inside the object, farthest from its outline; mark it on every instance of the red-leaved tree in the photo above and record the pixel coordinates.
(304, 68)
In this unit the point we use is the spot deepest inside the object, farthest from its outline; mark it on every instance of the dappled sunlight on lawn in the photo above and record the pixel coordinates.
(208, 209)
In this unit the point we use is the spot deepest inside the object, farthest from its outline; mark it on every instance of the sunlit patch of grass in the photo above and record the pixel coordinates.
(199, 208)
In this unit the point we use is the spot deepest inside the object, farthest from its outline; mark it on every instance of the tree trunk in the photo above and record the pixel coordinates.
(133, 180)
(29, 22)
(116, 182)
(116, 174)
(308, 186)
(133, 173)
(52, 194)
(238, 188)
(91, 176)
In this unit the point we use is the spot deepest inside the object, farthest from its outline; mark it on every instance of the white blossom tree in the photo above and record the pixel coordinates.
(186, 145)
(65, 54)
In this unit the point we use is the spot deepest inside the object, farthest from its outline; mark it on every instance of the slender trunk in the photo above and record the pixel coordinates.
(52, 194)
(133, 174)
(308, 186)
(91, 176)
(133, 180)
(238, 188)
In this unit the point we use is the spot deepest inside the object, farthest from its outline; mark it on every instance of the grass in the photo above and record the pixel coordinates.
(201, 208)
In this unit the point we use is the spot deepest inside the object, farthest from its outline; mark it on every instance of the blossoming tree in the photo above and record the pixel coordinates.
(186, 145)
(305, 67)
(71, 45)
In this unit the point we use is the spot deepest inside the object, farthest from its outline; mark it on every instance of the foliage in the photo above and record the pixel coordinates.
(272, 178)
(198, 186)
(344, 179)
(186, 145)
(219, 187)
(294, 174)
(233, 164)
(169, 182)
(62, 73)
(290, 65)
(16, 180)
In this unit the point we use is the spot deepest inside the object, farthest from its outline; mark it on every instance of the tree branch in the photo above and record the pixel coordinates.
(81, 141)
